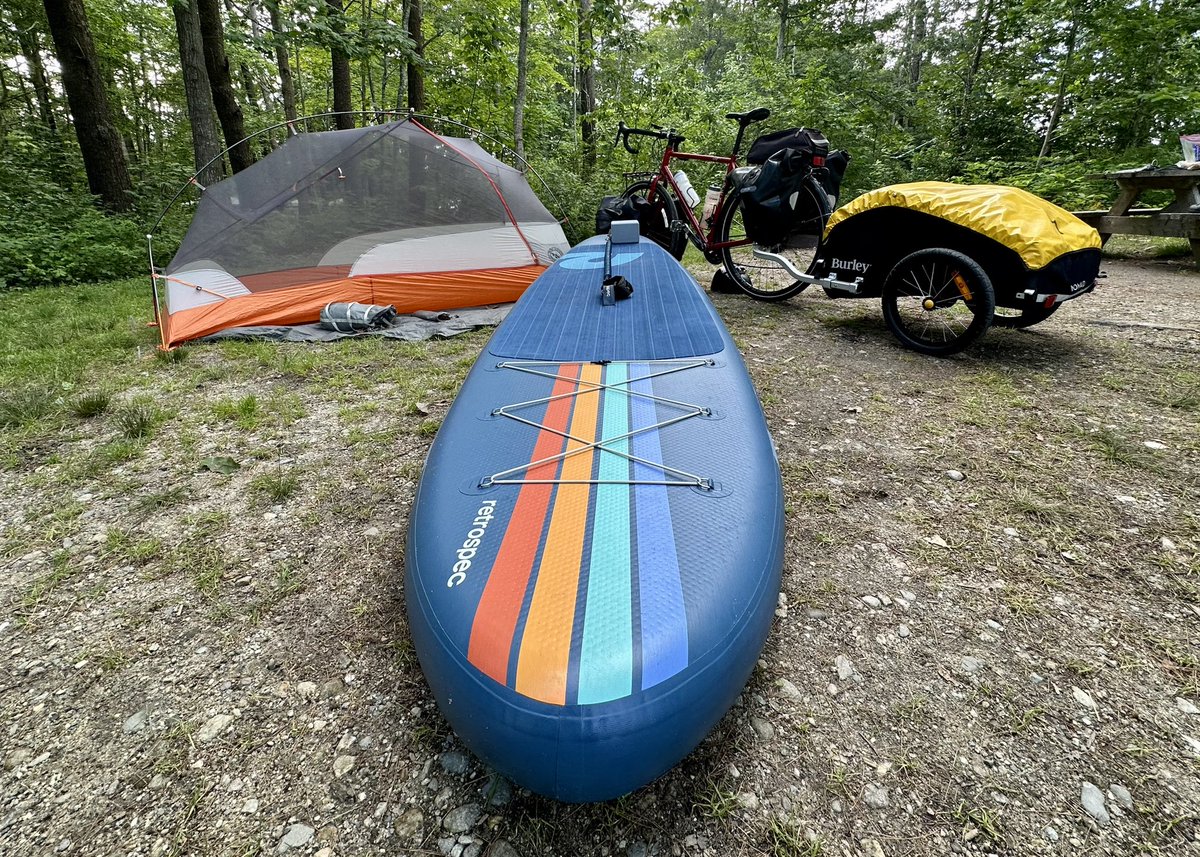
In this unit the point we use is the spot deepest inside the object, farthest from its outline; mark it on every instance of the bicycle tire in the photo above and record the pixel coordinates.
(760, 278)
(921, 296)
(664, 212)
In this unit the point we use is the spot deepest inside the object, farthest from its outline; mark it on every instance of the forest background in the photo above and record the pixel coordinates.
(108, 106)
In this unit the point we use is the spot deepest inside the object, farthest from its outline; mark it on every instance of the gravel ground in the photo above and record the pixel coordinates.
(986, 643)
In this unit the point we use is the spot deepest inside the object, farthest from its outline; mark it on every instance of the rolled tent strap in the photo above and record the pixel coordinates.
(346, 318)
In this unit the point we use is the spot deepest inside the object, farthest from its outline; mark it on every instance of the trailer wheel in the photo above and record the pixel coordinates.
(938, 301)
(1015, 319)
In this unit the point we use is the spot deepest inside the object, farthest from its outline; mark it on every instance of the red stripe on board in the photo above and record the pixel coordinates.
(499, 607)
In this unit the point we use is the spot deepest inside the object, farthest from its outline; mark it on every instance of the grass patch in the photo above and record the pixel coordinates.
(1117, 449)
(136, 421)
(786, 839)
(25, 406)
(245, 412)
(91, 404)
(61, 570)
(276, 485)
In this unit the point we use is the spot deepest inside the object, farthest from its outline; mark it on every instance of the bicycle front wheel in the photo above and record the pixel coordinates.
(761, 278)
(664, 211)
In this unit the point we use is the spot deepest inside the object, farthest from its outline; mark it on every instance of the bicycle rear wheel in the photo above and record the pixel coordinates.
(761, 278)
(664, 211)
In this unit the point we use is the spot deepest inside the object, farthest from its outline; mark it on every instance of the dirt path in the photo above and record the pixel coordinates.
(987, 642)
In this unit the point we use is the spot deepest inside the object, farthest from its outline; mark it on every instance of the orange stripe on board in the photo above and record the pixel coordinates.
(546, 644)
(500, 605)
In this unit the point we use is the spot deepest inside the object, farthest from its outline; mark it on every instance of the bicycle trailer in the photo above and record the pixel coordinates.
(1036, 254)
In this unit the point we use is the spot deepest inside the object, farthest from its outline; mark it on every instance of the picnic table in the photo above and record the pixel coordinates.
(1179, 219)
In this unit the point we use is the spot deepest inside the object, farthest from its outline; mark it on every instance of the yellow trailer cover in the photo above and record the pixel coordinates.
(1037, 230)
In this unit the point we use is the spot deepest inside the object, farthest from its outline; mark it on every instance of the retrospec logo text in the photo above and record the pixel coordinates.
(471, 543)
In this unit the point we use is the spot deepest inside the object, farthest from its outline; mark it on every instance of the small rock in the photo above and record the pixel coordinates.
(463, 818)
(136, 722)
(788, 690)
(994, 625)
(1012, 532)
(1186, 706)
(307, 690)
(908, 596)
(410, 825)
(1167, 544)
(1154, 444)
(250, 806)
(213, 727)
(1050, 833)
(371, 532)
(331, 688)
(955, 475)
(501, 848)
(1121, 795)
(158, 782)
(496, 791)
(871, 848)
(748, 801)
(454, 762)
(1083, 698)
(871, 601)
(816, 613)
(845, 668)
(324, 852)
(971, 665)
(902, 631)
(1093, 803)
(342, 765)
(296, 836)
(876, 796)
(762, 728)
(937, 541)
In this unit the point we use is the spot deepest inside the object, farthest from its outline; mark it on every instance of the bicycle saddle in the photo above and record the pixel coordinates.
(756, 115)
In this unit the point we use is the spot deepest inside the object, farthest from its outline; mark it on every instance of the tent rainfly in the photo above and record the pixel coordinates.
(386, 214)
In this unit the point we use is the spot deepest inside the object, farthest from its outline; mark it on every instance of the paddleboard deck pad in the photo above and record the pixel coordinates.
(595, 548)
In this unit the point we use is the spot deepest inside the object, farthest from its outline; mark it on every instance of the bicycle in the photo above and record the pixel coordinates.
(773, 273)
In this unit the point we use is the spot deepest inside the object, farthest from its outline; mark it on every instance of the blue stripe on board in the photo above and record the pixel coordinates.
(606, 657)
(664, 634)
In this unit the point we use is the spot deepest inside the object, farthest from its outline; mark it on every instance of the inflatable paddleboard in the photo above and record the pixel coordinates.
(595, 547)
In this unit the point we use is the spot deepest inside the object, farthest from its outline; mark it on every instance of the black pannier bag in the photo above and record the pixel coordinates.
(808, 141)
(831, 176)
(619, 208)
(775, 203)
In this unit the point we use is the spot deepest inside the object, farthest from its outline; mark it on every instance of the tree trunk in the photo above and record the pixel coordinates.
(916, 46)
(416, 71)
(587, 86)
(31, 49)
(99, 141)
(205, 145)
(216, 63)
(340, 66)
(781, 36)
(1064, 80)
(279, 39)
(522, 83)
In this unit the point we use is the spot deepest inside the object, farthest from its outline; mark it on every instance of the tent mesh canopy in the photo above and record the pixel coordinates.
(389, 213)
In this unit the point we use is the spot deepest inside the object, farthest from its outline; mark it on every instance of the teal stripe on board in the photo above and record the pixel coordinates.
(606, 656)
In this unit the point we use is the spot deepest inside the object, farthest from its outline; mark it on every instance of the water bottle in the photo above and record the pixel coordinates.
(686, 191)
(710, 204)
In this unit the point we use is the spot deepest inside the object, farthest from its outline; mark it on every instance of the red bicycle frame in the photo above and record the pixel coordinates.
(664, 175)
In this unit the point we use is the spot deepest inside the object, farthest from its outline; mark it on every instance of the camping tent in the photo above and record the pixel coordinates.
(386, 214)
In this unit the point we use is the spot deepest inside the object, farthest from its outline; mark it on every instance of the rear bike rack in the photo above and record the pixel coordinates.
(830, 282)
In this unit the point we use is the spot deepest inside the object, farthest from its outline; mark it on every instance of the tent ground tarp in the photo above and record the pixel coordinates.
(410, 328)
(386, 214)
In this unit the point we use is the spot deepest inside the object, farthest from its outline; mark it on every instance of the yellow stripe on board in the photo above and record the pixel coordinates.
(546, 643)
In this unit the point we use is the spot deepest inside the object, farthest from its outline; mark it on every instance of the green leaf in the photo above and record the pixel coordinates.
(220, 464)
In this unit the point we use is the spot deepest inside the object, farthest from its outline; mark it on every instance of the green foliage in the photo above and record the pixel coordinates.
(51, 233)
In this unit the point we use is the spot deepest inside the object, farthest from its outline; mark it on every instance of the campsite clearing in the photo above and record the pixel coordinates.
(986, 645)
